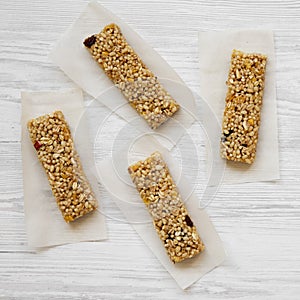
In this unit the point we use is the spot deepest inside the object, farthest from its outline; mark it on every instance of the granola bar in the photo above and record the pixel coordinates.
(128, 72)
(51, 138)
(241, 119)
(170, 217)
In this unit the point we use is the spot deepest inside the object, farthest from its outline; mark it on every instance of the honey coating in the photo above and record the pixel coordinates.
(51, 138)
(128, 72)
(170, 216)
(241, 119)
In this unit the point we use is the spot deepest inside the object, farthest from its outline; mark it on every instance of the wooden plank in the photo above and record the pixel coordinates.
(259, 223)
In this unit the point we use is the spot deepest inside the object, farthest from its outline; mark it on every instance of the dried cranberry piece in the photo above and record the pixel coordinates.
(188, 221)
(37, 145)
(90, 41)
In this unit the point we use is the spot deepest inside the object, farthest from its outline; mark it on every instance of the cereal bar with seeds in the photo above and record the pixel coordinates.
(128, 72)
(170, 216)
(243, 104)
(51, 138)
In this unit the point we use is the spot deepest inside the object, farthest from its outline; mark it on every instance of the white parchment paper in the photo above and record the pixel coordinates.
(45, 225)
(114, 176)
(73, 58)
(214, 61)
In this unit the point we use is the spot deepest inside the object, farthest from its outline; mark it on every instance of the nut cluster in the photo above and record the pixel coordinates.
(241, 117)
(170, 217)
(51, 137)
(128, 72)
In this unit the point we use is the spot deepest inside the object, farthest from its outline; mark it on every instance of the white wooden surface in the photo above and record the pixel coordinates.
(259, 223)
